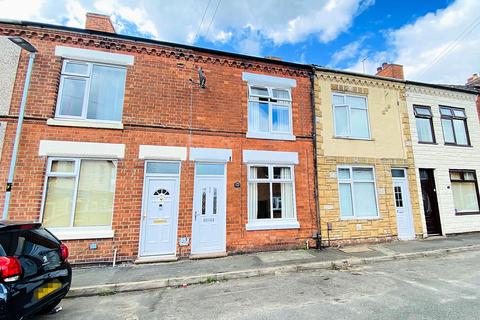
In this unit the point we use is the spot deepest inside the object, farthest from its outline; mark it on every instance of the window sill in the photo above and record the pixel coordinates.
(425, 142)
(353, 138)
(272, 225)
(467, 213)
(458, 145)
(359, 218)
(85, 123)
(81, 233)
(271, 136)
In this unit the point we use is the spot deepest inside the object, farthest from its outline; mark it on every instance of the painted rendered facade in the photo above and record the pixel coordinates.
(442, 157)
(387, 146)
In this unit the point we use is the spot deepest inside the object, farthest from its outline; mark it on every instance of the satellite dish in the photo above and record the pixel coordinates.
(201, 77)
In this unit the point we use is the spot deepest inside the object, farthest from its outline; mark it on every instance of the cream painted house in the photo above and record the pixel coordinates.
(446, 146)
(367, 187)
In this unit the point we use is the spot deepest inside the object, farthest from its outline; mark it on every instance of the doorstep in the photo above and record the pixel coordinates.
(154, 259)
(208, 255)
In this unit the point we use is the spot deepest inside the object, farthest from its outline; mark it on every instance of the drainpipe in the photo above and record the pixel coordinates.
(315, 154)
(13, 161)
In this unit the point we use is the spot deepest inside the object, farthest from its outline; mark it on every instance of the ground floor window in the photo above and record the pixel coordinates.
(79, 193)
(357, 194)
(465, 191)
(271, 193)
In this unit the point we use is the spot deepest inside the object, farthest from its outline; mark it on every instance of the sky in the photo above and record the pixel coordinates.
(436, 41)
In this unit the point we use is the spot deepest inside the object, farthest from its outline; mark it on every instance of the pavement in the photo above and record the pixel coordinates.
(430, 288)
(108, 280)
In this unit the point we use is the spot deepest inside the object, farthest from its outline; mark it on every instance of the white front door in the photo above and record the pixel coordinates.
(159, 218)
(209, 209)
(402, 205)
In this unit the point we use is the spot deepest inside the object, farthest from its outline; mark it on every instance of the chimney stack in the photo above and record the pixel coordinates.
(474, 81)
(99, 22)
(391, 70)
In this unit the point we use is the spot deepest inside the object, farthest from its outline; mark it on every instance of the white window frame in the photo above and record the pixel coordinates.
(271, 134)
(272, 223)
(71, 232)
(349, 135)
(87, 77)
(352, 188)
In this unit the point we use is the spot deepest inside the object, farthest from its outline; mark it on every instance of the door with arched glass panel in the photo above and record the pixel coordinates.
(209, 209)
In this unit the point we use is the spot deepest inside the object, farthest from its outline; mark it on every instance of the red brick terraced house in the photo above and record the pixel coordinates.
(126, 151)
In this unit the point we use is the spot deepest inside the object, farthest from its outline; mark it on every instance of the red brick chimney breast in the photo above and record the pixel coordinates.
(391, 70)
(99, 22)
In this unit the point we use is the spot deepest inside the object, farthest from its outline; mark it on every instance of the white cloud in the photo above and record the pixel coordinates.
(277, 22)
(349, 51)
(440, 47)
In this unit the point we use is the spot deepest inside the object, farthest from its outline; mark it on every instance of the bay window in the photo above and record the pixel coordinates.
(91, 91)
(350, 115)
(465, 191)
(357, 193)
(271, 196)
(79, 193)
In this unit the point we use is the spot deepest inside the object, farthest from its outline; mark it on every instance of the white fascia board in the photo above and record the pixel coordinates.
(93, 56)
(255, 78)
(53, 148)
(148, 152)
(210, 154)
(270, 157)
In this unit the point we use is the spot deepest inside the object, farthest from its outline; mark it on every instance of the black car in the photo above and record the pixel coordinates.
(34, 272)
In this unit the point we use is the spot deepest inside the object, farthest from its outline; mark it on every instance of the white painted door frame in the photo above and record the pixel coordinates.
(143, 214)
(407, 205)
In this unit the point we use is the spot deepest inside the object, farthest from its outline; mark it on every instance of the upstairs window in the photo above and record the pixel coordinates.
(91, 91)
(424, 123)
(465, 191)
(454, 123)
(269, 112)
(350, 116)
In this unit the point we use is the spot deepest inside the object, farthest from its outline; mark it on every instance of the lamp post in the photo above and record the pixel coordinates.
(24, 44)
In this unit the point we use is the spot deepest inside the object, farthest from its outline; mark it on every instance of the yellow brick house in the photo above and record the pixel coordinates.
(367, 188)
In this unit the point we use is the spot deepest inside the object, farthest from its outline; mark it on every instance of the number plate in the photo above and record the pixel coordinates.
(46, 289)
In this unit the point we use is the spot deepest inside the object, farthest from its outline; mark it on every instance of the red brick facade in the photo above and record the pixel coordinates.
(161, 107)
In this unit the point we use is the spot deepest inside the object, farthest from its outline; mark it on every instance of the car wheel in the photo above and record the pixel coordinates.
(49, 307)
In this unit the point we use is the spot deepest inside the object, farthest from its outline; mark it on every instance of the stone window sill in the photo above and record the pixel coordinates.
(85, 124)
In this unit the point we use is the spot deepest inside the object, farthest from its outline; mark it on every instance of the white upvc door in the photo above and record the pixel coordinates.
(209, 209)
(159, 218)
(402, 204)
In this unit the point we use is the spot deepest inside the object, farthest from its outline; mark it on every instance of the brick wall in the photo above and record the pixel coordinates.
(161, 107)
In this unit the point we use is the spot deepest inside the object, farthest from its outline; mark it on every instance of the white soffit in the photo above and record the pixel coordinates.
(210, 154)
(162, 153)
(270, 157)
(93, 56)
(56, 148)
(254, 78)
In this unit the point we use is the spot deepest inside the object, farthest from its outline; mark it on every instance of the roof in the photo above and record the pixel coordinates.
(154, 42)
(463, 89)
